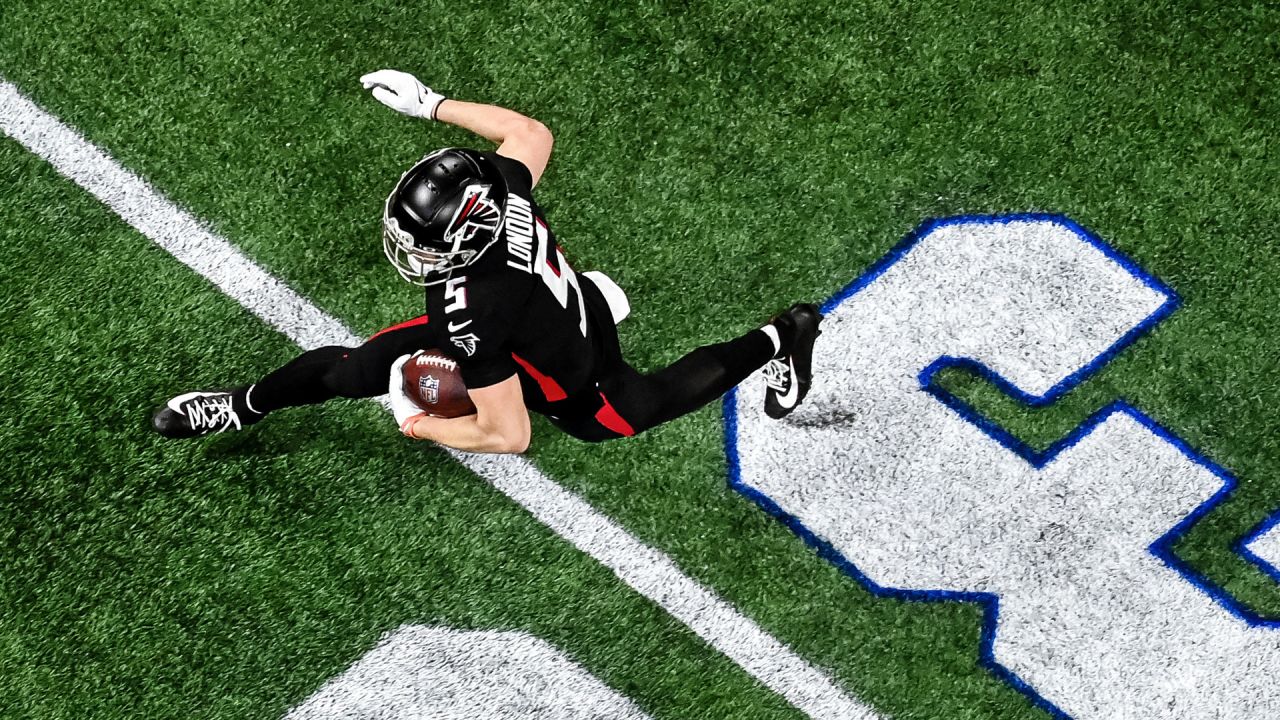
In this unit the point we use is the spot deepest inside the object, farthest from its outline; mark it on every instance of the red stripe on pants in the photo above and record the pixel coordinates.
(408, 323)
(550, 388)
(609, 417)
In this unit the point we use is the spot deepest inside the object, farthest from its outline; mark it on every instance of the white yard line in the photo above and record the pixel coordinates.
(646, 570)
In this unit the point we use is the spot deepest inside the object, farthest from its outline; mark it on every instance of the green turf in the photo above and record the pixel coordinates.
(706, 149)
(232, 578)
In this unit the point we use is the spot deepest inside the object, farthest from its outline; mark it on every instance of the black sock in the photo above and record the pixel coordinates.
(299, 382)
(243, 406)
(709, 372)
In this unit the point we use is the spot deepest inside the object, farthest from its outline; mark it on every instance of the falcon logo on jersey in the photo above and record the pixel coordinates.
(519, 225)
(476, 212)
(466, 342)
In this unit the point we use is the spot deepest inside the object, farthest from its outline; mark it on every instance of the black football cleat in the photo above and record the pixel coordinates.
(788, 375)
(199, 413)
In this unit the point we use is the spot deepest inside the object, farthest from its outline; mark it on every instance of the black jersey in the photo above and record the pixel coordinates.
(520, 309)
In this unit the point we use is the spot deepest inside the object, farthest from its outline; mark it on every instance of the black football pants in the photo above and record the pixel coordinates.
(625, 402)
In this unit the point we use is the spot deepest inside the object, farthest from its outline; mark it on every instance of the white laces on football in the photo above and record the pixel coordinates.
(211, 412)
(777, 375)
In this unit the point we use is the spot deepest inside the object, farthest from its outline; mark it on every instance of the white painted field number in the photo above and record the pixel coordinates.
(446, 674)
(917, 497)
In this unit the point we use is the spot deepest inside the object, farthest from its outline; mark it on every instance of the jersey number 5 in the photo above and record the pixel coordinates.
(559, 277)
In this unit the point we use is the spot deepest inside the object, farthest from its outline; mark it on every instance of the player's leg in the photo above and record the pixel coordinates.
(633, 402)
(313, 377)
(709, 372)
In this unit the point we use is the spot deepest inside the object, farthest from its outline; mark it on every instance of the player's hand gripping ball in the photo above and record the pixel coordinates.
(432, 381)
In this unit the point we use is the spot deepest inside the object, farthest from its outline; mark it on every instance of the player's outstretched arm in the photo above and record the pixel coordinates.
(519, 137)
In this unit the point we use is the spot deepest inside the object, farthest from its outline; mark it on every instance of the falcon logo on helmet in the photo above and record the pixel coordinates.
(443, 214)
(476, 213)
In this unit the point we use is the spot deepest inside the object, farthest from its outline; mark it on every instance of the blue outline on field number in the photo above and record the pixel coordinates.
(1242, 547)
(990, 603)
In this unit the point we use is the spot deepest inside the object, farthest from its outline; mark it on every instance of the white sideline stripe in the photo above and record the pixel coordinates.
(644, 569)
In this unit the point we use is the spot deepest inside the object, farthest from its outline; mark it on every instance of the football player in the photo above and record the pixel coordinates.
(527, 330)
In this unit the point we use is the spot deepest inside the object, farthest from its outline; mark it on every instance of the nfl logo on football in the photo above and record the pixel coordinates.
(429, 388)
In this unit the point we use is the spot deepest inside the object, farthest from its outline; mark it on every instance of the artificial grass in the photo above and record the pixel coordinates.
(722, 161)
(231, 578)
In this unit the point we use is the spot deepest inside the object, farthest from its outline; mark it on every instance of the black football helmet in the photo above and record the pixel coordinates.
(445, 211)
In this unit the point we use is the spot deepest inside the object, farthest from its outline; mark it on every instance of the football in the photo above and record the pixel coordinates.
(432, 380)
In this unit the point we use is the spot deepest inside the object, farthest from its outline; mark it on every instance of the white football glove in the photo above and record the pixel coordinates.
(402, 92)
(403, 407)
